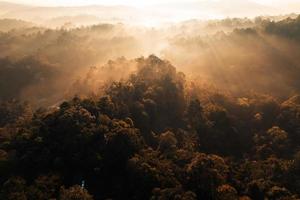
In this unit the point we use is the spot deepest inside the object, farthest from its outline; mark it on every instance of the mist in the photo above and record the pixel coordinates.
(233, 54)
(150, 100)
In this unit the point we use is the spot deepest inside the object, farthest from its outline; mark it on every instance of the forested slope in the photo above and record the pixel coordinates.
(154, 135)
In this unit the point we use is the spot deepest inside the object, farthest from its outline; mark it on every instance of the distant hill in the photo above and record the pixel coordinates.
(11, 24)
(78, 20)
(152, 15)
(42, 15)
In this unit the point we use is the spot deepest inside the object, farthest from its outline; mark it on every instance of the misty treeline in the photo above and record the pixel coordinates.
(223, 125)
(238, 55)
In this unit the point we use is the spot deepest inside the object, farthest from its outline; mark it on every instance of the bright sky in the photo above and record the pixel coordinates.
(178, 10)
(90, 2)
(137, 3)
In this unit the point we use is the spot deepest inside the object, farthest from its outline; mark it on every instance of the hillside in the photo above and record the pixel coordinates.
(151, 136)
(136, 103)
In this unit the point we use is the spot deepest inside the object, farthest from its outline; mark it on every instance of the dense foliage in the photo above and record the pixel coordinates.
(154, 135)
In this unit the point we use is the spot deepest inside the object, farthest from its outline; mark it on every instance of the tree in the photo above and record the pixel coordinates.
(226, 192)
(195, 116)
(274, 142)
(172, 193)
(205, 173)
(167, 143)
(74, 193)
(14, 189)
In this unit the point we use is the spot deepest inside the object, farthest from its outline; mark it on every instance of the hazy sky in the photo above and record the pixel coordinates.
(187, 9)
(144, 2)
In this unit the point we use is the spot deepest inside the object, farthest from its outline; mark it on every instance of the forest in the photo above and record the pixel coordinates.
(204, 110)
